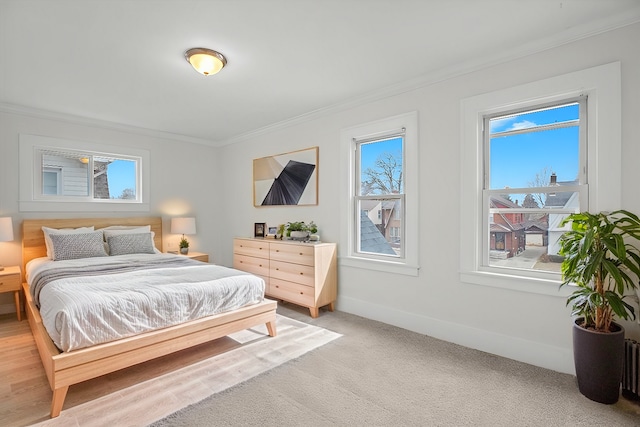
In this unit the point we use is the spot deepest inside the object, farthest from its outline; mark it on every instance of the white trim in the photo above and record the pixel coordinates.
(559, 359)
(349, 256)
(602, 85)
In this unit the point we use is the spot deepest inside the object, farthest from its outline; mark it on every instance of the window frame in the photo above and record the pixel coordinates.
(33, 199)
(601, 85)
(581, 188)
(349, 241)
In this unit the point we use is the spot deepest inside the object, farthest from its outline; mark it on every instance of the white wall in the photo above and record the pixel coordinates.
(184, 181)
(529, 327)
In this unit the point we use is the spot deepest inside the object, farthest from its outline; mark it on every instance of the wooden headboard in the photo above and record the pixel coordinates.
(33, 245)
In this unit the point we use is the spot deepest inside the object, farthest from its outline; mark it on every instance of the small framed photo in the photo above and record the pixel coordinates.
(272, 232)
(258, 229)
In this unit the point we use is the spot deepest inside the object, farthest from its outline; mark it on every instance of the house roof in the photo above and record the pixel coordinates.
(371, 240)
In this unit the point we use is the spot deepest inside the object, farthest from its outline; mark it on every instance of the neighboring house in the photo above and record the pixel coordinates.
(66, 176)
(566, 200)
(371, 240)
(506, 230)
(536, 231)
(387, 217)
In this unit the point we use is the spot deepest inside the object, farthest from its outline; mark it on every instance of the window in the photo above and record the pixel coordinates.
(532, 154)
(379, 185)
(381, 200)
(533, 177)
(57, 174)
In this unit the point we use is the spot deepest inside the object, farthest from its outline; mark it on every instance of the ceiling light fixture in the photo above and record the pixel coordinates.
(205, 61)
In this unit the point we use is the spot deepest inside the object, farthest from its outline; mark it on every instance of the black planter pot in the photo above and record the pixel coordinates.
(598, 359)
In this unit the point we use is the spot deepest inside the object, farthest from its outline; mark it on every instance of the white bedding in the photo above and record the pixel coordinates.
(86, 310)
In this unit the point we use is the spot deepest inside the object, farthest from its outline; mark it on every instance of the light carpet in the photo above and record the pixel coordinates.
(380, 375)
(156, 397)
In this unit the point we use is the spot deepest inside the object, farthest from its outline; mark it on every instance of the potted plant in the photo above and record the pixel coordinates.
(602, 266)
(184, 246)
(299, 230)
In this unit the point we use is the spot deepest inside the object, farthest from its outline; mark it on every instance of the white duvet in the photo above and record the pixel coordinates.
(86, 310)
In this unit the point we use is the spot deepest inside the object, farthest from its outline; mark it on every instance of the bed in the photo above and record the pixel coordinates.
(65, 368)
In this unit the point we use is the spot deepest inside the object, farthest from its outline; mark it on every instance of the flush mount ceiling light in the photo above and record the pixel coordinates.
(205, 61)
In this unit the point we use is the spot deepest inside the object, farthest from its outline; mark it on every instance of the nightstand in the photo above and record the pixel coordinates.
(10, 282)
(198, 256)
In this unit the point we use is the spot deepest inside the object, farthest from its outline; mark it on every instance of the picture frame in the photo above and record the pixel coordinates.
(272, 232)
(258, 229)
(288, 179)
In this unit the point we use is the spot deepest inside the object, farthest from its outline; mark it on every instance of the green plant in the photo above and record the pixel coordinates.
(301, 226)
(184, 243)
(601, 264)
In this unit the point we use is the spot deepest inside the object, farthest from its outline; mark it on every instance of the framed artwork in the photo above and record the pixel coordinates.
(272, 232)
(286, 179)
(258, 229)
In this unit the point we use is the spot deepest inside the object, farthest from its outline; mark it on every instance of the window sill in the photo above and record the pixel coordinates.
(378, 265)
(511, 282)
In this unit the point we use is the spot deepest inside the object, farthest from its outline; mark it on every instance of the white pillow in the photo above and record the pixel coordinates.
(77, 245)
(48, 231)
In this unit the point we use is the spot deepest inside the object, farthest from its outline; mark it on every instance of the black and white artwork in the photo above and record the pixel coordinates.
(286, 179)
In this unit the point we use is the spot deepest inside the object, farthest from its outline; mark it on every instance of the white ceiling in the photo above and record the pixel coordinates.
(122, 61)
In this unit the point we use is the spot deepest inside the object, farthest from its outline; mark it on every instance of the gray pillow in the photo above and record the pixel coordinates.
(125, 244)
(75, 246)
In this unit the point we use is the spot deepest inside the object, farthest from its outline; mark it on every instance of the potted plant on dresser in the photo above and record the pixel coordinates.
(602, 264)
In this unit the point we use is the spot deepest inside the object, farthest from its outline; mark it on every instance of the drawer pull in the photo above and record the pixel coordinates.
(241, 262)
(301, 273)
(300, 253)
(277, 269)
(277, 250)
(301, 293)
(260, 265)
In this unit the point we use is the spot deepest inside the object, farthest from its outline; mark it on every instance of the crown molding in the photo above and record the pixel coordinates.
(98, 123)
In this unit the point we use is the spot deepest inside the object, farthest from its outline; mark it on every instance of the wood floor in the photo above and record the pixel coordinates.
(147, 392)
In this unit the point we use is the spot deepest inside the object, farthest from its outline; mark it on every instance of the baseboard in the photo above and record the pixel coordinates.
(534, 353)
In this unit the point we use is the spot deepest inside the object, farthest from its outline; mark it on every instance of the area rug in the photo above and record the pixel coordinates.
(251, 353)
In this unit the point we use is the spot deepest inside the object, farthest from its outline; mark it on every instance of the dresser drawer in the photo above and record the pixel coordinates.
(296, 273)
(10, 282)
(256, 248)
(257, 266)
(292, 292)
(298, 254)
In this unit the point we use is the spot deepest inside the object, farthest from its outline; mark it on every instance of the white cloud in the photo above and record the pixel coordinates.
(525, 124)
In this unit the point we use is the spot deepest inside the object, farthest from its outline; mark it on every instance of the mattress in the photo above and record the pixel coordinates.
(90, 301)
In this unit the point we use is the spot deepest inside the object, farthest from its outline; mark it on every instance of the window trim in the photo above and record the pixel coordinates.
(602, 86)
(348, 242)
(31, 198)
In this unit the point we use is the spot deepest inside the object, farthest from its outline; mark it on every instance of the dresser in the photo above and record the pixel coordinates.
(301, 273)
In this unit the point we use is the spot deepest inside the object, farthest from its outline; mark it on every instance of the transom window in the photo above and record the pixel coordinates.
(64, 175)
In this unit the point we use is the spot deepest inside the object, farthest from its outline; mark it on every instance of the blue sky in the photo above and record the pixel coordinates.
(516, 159)
(369, 152)
(121, 174)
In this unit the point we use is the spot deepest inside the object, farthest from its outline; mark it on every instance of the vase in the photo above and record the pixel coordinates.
(299, 235)
(184, 251)
(599, 358)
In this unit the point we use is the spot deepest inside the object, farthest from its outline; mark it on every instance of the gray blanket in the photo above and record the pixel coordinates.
(45, 277)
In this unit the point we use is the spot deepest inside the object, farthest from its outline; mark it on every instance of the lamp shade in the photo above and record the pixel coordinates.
(6, 229)
(183, 225)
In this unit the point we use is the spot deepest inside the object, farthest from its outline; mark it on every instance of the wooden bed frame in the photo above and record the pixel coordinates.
(65, 369)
